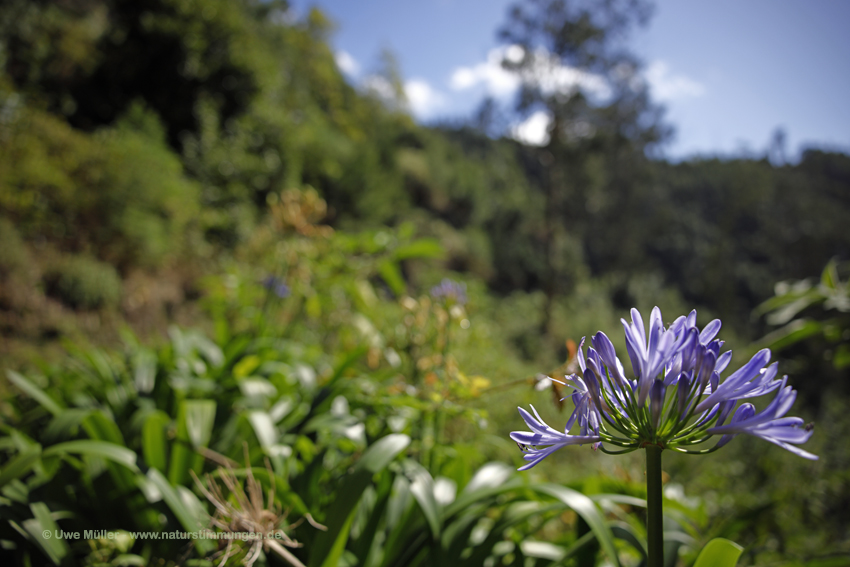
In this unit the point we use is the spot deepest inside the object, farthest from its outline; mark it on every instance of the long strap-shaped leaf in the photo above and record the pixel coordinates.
(34, 392)
(177, 502)
(587, 509)
(20, 465)
(329, 545)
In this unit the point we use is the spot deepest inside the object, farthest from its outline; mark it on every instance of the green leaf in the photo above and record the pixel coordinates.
(103, 449)
(154, 447)
(19, 466)
(791, 333)
(841, 358)
(65, 424)
(193, 505)
(787, 312)
(457, 532)
(264, 429)
(719, 552)
(481, 494)
(368, 544)
(382, 452)
(579, 546)
(186, 515)
(129, 560)
(829, 277)
(390, 273)
(195, 420)
(422, 488)
(515, 513)
(144, 370)
(200, 417)
(101, 428)
(43, 524)
(246, 366)
(786, 294)
(619, 499)
(329, 545)
(542, 550)
(34, 392)
(586, 508)
(422, 248)
(625, 532)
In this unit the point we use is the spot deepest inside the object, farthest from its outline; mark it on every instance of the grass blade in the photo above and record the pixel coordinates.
(34, 392)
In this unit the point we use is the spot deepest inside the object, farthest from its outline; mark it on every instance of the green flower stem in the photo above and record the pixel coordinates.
(654, 512)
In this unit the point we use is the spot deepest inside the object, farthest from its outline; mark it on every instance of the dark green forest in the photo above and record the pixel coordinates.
(217, 265)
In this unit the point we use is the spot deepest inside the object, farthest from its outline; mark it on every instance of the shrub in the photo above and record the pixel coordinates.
(83, 282)
(13, 254)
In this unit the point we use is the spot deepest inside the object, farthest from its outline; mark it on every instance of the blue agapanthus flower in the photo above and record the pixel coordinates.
(676, 399)
(450, 291)
(277, 285)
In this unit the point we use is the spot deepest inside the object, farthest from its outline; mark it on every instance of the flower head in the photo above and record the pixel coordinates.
(450, 291)
(277, 285)
(677, 398)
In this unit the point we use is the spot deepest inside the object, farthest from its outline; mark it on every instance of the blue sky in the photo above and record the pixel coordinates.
(729, 72)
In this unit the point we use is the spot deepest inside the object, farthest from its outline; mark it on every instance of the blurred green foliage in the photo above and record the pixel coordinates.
(84, 283)
(352, 399)
(13, 254)
(118, 194)
(177, 161)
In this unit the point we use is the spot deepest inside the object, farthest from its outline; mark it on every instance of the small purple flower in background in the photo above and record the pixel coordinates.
(676, 400)
(277, 285)
(450, 291)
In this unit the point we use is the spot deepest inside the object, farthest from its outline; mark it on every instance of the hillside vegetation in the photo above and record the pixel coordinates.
(200, 216)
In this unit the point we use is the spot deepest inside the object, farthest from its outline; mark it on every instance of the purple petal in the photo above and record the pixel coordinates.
(723, 361)
(709, 332)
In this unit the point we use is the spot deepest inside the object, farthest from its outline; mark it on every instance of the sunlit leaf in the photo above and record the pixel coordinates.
(144, 370)
(422, 488)
(829, 276)
(791, 333)
(422, 248)
(154, 446)
(328, 546)
(391, 275)
(103, 449)
(719, 552)
(42, 528)
(586, 508)
(195, 419)
(34, 392)
(185, 515)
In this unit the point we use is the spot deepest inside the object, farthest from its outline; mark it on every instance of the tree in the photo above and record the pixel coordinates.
(575, 68)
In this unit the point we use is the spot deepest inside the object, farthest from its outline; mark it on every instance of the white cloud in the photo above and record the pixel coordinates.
(380, 87)
(423, 100)
(666, 87)
(498, 81)
(534, 130)
(545, 71)
(346, 63)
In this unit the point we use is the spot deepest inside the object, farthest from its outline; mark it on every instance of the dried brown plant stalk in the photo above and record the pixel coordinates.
(246, 511)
